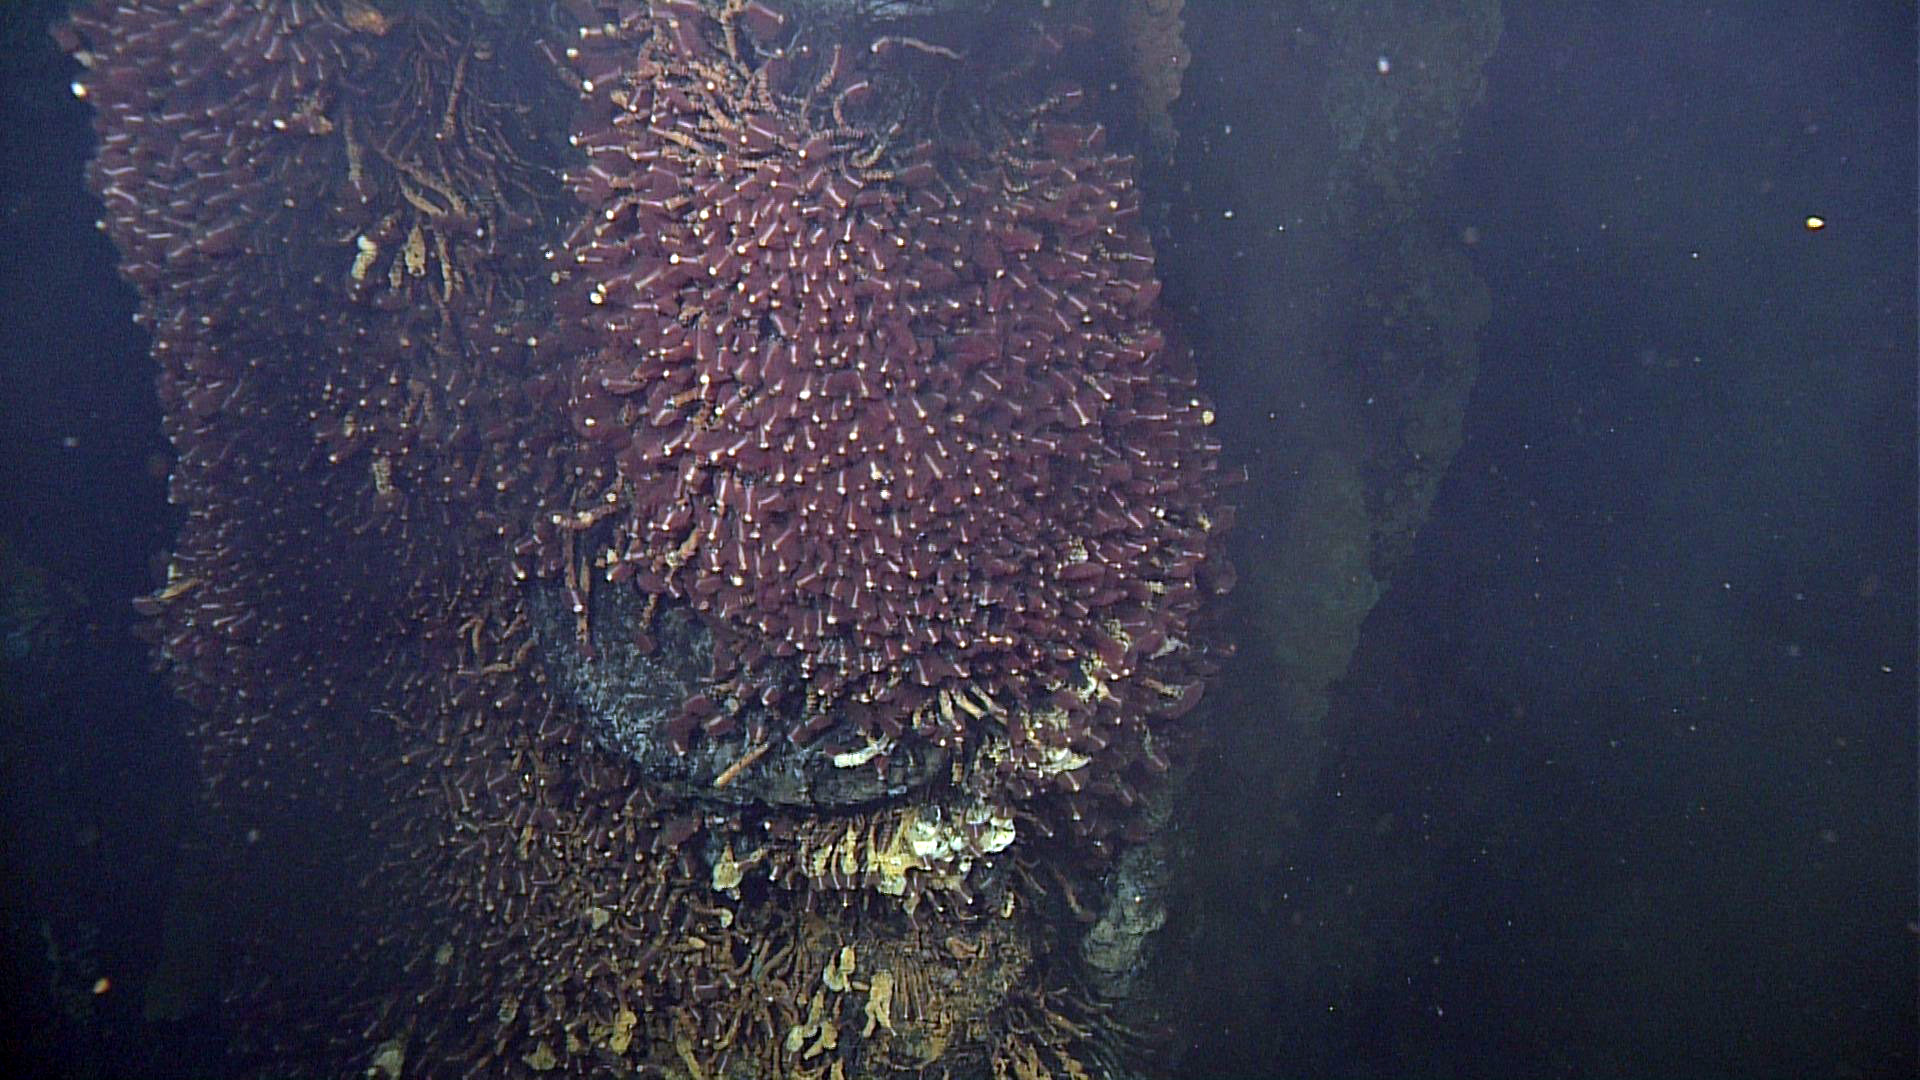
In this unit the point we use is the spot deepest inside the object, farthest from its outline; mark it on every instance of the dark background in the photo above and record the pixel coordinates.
(1621, 782)
(96, 777)
(1621, 779)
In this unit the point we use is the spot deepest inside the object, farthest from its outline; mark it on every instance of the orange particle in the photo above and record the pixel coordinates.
(365, 18)
(101, 985)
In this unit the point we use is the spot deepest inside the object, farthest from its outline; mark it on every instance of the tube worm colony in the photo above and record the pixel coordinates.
(512, 363)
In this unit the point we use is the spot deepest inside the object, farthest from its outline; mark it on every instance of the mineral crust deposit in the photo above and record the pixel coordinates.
(701, 492)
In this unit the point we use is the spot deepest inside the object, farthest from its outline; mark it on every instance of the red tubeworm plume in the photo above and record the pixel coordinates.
(882, 392)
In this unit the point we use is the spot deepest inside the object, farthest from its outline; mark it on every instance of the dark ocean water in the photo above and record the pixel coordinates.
(1620, 780)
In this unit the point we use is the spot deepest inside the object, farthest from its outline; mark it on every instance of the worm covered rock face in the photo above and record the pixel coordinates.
(698, 492)
(876, 387)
